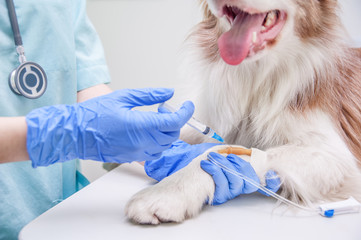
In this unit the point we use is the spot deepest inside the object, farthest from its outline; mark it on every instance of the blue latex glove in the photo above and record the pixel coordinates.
(179, 155)
(105, 128)
(229, 186)
(273, 182)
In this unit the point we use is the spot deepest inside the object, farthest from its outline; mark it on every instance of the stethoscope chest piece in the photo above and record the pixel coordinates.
(29, 80)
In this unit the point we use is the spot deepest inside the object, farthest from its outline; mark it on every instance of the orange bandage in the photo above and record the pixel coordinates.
(236, 151)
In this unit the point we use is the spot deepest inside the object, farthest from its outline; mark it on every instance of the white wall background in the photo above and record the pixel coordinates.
(142, 40)
(352, 19)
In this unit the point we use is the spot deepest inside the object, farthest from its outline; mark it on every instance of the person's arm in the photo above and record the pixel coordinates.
(105, 128)
(13, 130)
(13, 139)
(95, 91)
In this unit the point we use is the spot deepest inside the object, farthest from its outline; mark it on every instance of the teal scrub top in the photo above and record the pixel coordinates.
(57, 35)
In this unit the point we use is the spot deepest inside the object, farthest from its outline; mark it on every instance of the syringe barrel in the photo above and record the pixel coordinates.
(200, 127)
(167, 106)
(194, 123)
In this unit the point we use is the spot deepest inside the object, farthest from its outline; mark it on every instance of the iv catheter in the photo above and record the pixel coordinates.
(197, 125)
(327, 210)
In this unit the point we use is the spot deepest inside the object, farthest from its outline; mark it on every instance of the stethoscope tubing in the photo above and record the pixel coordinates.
(14, 22)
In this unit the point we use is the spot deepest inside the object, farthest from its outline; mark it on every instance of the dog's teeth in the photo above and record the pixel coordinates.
(270, 19)
(254, 37)
(263, 28)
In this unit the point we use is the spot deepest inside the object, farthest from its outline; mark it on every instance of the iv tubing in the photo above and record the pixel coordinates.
(275, 195)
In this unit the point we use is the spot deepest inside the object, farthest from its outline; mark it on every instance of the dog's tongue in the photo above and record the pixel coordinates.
(235, 44)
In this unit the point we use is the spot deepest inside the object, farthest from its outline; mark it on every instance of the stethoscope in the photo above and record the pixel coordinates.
(28, 79)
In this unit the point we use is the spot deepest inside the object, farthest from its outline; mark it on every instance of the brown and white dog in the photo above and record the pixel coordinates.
(275, 75)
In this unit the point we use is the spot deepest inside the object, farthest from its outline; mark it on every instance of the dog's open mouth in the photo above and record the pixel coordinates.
(249, 33)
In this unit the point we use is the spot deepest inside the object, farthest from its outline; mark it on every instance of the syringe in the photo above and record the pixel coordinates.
(197, 125)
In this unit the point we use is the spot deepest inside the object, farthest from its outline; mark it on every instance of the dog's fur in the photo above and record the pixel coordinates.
(299, 100)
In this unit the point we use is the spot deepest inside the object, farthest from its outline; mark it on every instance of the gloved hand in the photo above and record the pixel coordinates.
(273, 182)
(229, 186)
(179, 155)
(105, 128)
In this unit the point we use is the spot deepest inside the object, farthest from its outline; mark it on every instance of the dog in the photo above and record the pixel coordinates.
(275, 75)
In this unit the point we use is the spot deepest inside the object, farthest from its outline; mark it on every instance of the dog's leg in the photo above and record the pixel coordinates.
(315, 173)
(175, 198)
(316, 167)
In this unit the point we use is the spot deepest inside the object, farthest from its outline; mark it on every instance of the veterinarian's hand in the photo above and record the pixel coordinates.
(105, 128)
(273, 182)
(179, 155)
(229, 186)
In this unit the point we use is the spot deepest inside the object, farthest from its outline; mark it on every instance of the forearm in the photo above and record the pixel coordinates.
(13, 130)
(92, 92)
(13, 139)
(97, 129)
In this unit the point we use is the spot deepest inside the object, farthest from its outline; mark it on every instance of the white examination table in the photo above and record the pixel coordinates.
(97, 212)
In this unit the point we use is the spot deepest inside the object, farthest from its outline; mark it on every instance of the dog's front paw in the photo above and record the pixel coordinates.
(174, 199)
(162, 203)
